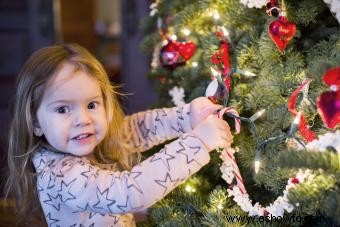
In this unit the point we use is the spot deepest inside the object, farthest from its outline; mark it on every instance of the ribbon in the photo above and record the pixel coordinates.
(303, 127)
(221, 57)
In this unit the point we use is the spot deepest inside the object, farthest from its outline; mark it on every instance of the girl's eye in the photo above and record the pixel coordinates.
(92, 105)
(63, 109)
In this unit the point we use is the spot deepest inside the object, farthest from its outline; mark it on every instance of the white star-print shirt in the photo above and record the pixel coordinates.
(73, 192)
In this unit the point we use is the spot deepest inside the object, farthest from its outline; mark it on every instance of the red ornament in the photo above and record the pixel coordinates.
(307, 134)
(294, 180)
(186, 49)
(175, 53)
(281, 31)
(328, 103)
(221, 60)
(332, 77)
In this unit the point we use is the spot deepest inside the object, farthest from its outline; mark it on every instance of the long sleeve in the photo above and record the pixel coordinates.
(146, 129)
(70, 181)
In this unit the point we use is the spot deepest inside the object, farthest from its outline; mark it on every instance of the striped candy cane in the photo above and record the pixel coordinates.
(229, 166)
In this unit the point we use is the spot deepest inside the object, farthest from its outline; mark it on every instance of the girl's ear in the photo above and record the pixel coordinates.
(37, 130)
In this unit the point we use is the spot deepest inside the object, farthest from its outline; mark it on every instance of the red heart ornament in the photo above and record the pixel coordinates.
(328, 104)
(186, 49)
(281, 31)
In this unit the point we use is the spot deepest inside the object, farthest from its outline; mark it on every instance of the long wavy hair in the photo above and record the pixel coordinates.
(22, 143)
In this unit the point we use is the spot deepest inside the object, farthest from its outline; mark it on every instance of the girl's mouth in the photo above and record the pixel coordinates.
(83, 138)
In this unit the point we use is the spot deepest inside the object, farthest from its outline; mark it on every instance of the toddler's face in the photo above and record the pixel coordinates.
(72, 115)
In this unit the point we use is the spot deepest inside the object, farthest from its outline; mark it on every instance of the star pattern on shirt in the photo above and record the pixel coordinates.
(188, 153)
(114, 177)
(163, 183)
(90, 173)
(65, 187)
(144, 130)
(92, 214)
(133, 183)
(51, 180)
(41, 164)
(159, 115)
(186, 136)
(164, 157)
(51, 220)
(51, 163)
(103, 200)
(180, 113)
(54, 201)
(86, 208)
(178, 128)
(115, 218)
(124, 207)
(39, 188)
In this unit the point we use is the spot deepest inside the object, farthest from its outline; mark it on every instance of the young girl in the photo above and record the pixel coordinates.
(72, 149)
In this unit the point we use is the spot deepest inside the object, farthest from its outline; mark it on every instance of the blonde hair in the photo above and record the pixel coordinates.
(31, 83)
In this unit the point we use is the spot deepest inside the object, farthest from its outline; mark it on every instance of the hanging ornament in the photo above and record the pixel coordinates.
(215, 91)
(176, 53)
(218, 89)
(272, 8)
(328, 103)
(281, 31)
(300, 118)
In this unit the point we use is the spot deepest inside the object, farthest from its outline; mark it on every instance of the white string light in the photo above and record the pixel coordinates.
(194, 64)
(257, 115)
(186, 31)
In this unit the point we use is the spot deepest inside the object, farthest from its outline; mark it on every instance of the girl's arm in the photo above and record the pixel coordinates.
(77, 184)
(144, 130)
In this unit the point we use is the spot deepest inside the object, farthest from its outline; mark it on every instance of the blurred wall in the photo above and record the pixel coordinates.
(135, 65)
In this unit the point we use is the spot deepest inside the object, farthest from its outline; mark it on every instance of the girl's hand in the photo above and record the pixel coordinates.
(200, 109)
(214, 133)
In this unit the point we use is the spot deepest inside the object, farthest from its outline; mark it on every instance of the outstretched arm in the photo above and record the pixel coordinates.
(146, 129)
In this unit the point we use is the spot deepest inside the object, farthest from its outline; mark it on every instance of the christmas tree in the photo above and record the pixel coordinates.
(275, 66)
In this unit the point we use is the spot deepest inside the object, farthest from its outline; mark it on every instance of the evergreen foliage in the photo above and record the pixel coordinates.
(314, 49)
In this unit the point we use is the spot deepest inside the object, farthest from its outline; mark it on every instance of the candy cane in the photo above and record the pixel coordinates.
(228, 153)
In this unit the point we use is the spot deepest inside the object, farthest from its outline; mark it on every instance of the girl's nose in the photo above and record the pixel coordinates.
(82, 118)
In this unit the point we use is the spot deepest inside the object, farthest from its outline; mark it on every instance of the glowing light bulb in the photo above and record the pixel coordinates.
(194, 64)
(173, 37)
(216, 15)
(257, 166)
(190, 189)
(165, 42)
(257, 115)
(186, 31)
